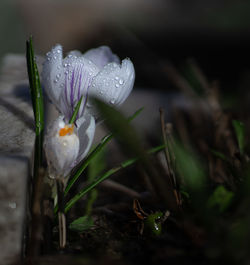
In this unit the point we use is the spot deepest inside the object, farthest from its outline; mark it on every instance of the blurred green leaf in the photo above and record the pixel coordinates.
(96, 165)
(37, 103)
(121, 129)
(221, 199)
(82, 224)
(190, 169)
(240, 132)
(73, 118)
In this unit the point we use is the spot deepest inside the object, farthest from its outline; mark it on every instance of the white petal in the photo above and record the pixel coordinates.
(52, 74)
(101, 56)
(61, 151)
(78, 77)
(86, 132)
(114, 82)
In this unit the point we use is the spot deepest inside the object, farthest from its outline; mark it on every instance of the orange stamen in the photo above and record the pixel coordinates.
(67, 130)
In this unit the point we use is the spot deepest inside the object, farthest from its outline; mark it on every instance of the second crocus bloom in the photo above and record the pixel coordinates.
(66, 145)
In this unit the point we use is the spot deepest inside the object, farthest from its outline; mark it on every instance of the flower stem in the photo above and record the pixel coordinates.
(61, 214)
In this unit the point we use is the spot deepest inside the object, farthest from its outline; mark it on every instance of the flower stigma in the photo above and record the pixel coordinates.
(66, 130)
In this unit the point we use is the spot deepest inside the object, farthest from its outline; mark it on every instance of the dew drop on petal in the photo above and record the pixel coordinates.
(121, 81)
(117, 85)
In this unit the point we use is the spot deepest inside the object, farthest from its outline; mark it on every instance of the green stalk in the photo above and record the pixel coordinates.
(73, 118)
(37, 103)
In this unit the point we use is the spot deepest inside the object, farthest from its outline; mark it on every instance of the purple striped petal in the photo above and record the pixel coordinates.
(52, 74)
(86, 131)
(114, 82)
(78, 78)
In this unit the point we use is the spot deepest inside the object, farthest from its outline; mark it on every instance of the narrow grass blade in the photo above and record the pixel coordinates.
(37, 102)
(73, 118)
(106, 175)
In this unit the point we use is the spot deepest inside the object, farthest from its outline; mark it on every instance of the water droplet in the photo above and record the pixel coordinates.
(58, 67)
(48, 54)
(64, 143)
(58, 51)
(112, 101)
(55, 80)
(121, 81)
(54, 57)
(48, 58)
(117, 85)
(116, 78)
(58, 75)
(62, 85)
(65, 65)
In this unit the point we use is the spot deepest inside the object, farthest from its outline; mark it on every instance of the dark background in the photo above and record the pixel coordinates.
(214, 33)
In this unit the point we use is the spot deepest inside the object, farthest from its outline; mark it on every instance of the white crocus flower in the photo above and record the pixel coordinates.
(66, 145)
(96, 73)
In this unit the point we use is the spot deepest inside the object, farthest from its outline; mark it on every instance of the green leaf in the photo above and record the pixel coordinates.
(37, 103)
(240, 132)
(82, 224)
(106, 175)
(153, 224)
(73, 118)
(221, 199)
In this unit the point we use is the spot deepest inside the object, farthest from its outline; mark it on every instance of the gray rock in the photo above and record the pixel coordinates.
(16, 148)
(13, 188)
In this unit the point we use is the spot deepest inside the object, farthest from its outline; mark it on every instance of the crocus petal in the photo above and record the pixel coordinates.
(101, 56)
(78, 77)
(86, 131)
(61, 151)
(52, 73)
(74, 53)
(114, 82)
